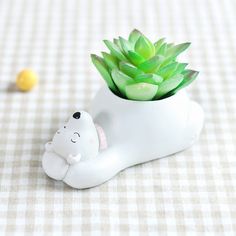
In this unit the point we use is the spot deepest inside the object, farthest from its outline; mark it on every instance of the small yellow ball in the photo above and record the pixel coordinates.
(26, 80)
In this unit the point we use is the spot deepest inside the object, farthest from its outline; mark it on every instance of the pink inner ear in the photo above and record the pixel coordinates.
(102, 137)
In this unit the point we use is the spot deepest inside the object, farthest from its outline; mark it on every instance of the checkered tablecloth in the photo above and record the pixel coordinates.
(190, 193)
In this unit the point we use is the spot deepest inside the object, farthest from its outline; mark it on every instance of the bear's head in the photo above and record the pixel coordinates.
(77, 138)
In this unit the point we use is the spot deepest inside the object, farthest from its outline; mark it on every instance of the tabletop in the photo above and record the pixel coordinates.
(189, 193)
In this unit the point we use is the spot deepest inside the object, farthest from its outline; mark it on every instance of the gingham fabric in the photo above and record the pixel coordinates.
(190, 193)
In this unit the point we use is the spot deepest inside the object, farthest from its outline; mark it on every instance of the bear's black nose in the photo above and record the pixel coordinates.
(76, 115)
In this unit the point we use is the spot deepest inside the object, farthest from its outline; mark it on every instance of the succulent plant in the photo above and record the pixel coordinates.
(137, 69)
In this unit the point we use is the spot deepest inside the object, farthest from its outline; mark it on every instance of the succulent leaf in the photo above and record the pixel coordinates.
(158, 44)
(149, 78)
(110, 60)
(135, 58)
(168, 85)
(134, 35)
(129, 69)
(178, 70)
(115, 50)
(167, 61)
(176, 50)
(121, 80)
(189, 77)
(102, 68)
(144, 47)
(162, 50)
(141, 91)
(126, 45)
(169, 45)
(117, 43)
(164, 71)
(151, 64)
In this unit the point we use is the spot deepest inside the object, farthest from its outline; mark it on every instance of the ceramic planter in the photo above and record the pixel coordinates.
(128, 133)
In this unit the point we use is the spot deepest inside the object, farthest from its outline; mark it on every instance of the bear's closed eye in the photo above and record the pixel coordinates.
(74, 141)
(77, 133)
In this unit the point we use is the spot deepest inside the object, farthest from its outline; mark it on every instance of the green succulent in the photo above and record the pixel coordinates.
(137, 69)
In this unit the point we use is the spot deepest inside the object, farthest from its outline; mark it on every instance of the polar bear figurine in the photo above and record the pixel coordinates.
(70, 145)
(89, 150)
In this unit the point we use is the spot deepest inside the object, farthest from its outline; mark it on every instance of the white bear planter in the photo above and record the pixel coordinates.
(128, 133)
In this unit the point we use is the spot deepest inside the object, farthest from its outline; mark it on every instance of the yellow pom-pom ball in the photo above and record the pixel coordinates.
(26, 80)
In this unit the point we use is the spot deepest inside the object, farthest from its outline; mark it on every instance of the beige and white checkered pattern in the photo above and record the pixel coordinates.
(190, 193)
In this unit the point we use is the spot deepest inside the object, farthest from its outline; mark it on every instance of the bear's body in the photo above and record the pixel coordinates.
(136, 132)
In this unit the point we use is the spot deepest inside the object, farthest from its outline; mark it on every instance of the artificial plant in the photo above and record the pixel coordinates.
(137, 69)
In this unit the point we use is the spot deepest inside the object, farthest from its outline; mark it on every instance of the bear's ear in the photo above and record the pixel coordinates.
(85, 116)
(48, 147)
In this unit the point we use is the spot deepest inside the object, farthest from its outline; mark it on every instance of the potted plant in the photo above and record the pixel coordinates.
(142, 114)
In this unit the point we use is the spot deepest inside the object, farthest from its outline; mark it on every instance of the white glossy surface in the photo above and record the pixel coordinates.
(136, 132)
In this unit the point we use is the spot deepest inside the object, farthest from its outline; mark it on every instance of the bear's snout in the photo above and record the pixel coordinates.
(76, 115)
